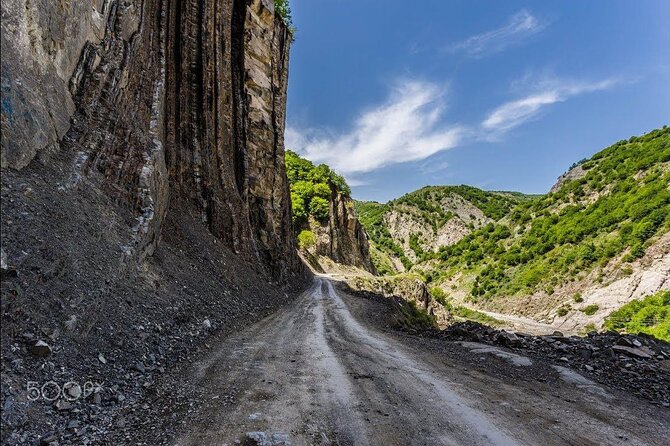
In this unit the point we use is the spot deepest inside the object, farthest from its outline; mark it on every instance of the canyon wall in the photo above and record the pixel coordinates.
(159, 102)
(343, 238)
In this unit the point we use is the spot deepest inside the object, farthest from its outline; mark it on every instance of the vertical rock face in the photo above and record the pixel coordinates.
(343, 239)
(162, 101)
(41, 44)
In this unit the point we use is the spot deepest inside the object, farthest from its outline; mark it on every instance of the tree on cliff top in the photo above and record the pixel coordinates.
(283, 8)
(311, 188)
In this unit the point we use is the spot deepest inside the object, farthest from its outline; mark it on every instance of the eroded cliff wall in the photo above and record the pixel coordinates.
(159, 102)
(343, 238)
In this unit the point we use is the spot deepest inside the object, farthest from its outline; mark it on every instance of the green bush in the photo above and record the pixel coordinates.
(590, 327)
(298, 207)
(590, 310)
(322, 190)
(440, 296)
(562, 311)
(477, 316)
(283, 8)
(578, 298)
(319, 208)
(416, 246)
(306, 240)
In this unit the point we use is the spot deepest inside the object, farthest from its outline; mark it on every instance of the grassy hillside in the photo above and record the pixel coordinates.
(383, 246)
(615, 208)
(429, 201)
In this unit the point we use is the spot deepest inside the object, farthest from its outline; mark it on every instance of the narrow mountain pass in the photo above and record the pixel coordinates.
(313, 373)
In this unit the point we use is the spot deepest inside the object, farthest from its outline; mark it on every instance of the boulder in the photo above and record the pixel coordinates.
(40, 349)
(630, 351)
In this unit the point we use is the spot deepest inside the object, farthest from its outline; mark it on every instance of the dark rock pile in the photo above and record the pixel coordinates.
(635, 363)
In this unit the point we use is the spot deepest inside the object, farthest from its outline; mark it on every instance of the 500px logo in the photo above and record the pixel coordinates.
(70, 391)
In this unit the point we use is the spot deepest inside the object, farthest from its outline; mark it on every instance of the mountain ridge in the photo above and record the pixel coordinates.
(605, 215)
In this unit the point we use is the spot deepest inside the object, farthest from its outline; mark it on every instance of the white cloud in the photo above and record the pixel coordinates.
(433, 166)
(519, 26)
(356, 182)
(514, 113)
(407, 127)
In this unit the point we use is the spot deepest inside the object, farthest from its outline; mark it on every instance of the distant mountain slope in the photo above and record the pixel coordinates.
(611, 212)
(406, 230)
(599, 238)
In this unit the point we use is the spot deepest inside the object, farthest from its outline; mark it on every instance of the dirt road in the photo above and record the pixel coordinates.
(315, 374)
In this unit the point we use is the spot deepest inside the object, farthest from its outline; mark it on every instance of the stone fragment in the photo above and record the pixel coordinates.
(282, 439)
(585, 353)
(632, 352)
(255, 439)
(63, 405)
(41, 349)
(508, 339)
(625, 342)
(6, 271)
(71, 323)
(73, 390)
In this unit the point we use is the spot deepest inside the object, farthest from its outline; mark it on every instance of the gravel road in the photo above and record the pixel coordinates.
(315, 373)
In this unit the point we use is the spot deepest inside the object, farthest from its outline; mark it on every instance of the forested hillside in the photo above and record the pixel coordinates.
(410, 229)
(613, 211)
(594, 228)
(311, 188)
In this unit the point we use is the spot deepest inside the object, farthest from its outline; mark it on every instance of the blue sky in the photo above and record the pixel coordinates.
(502, 95)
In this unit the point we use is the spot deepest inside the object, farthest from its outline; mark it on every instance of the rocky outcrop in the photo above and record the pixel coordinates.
(402, 225)
(159, 102)
(408, 287)
(574, 173)
(343, 238)
(41, 43)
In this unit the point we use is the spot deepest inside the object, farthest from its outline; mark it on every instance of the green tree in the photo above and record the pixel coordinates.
(306, 239)
(322, 190)
(303, 188)
(311, 188)
(283, 9)
(299, 209)
(319, 208)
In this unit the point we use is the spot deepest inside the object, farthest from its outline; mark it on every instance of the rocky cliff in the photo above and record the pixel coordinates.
(331, 236)
(343, 238)
(159, 102)
(145, 204)
(407, 287)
